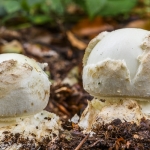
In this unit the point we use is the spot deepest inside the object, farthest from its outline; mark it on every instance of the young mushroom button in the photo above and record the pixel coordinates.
(24, 87)
(117, 74)
(24, 93)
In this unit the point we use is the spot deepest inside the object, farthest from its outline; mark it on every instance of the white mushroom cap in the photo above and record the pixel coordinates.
(117, 64)
(24, 86)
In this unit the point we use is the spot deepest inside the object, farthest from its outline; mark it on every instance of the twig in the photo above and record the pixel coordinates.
(82, 142)
(62, 108)
(92, 145)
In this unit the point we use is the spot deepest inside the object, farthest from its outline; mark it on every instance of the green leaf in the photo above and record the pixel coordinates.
(67, 2)
(115, 7)
(34, 2)
(39, 19)
(2, 11)
(56, 6)
(11, 6)
(45, 8)
(81, 3)
(147, 2)
(8, 17)
(24, 5)
(94, 6)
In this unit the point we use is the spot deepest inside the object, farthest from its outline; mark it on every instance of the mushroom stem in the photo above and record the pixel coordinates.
(145, 105)
(43, 125)
(7, 123)
(105, 111)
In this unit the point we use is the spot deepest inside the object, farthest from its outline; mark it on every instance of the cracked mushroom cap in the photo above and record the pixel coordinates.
(117, 64)
(24, 86)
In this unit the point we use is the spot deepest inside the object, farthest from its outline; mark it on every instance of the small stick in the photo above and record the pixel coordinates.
(82, 142)
(62, 108)
(92, 145)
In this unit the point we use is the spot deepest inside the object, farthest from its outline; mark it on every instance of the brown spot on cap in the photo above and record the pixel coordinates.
(46, 92)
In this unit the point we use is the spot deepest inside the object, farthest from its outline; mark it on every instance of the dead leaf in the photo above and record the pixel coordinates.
(118, 142)
(63, 89)
(12, 47)
(143, 24)
(37, 35)
(135, 136)
(128, 144)
(87, 27)
(75, 126)
(40, 51)
(72, 76)
(11, 34)
(63, 109)
(76, 42)
(73, 8)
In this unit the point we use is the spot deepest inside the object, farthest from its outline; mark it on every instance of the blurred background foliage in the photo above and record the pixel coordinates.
(38, 12)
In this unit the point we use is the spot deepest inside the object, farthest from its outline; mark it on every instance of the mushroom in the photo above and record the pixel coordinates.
(24, 93)
(117, 74)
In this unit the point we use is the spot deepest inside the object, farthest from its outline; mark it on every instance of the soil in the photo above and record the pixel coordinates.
(113, 136)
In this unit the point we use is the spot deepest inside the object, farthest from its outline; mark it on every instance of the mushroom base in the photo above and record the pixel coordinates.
(30, 130)
(7, 123)
(105, 111)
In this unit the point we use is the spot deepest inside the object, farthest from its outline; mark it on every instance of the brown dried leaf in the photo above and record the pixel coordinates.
(135, 136)
(118, 143)
(12, 47)
(72, 76)
(37, 35)
(143, 24)
(76, 42)
(87, 27)
(38, 50)
(11, 34)
(75, 126)
(128, 144)
(63, 89)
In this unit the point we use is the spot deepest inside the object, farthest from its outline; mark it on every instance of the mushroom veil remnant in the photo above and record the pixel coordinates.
(24, 93)
(117, 73)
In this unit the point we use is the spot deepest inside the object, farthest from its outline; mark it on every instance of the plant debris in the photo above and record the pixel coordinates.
(113, 136)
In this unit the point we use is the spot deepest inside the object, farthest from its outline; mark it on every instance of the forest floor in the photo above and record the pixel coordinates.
(63, 50)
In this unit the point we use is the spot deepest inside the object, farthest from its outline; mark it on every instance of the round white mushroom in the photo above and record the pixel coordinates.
(117, 70)
(24, 86)
(24, 93)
